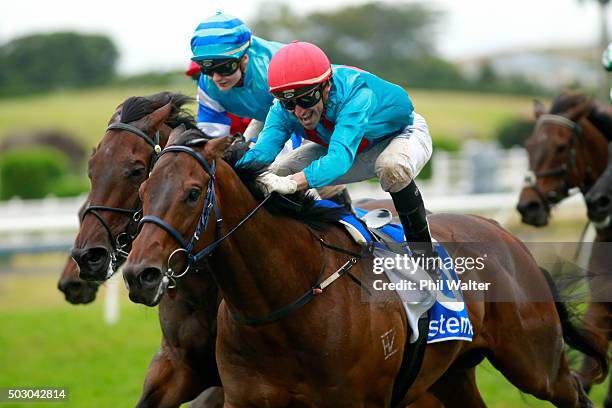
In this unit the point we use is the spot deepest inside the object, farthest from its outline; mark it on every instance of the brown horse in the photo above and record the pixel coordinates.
(185, 364)
(76, 290)
(568, 149)
(279, 344)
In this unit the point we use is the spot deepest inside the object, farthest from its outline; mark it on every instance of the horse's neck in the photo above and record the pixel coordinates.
(268, 262)
(197, 293)
(595, 144)
(601, 118)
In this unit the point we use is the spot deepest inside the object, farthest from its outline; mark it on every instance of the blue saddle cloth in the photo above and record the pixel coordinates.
(448, 317)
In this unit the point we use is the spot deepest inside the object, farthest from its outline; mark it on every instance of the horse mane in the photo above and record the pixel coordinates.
(137, 107)
(300, 206)
(600, 117)
(567, 100)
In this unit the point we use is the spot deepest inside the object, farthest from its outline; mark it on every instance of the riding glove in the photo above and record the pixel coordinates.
(270, 182)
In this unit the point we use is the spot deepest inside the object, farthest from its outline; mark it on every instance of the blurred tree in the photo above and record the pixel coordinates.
(394, 41)
(604, 40)
(43, 62)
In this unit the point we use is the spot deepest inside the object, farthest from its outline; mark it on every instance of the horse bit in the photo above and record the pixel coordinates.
(122, 240)
(530, 181)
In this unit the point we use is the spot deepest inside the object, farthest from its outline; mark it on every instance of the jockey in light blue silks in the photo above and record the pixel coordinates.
(362, 126)
(234, 79)
(234, 64)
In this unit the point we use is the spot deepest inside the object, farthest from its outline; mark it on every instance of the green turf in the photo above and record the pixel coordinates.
(84, 114)
(46, 342)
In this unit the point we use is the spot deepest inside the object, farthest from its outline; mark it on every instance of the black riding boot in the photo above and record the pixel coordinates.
(411, 210)
(344, 199)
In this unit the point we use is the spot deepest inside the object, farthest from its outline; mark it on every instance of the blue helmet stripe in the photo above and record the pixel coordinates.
(200, 41)
(220, 24)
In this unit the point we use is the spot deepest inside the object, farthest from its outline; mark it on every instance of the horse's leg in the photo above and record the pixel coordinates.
(168, 382)
(599, 317)
(457, 388)
(209, 398)
(537, 368)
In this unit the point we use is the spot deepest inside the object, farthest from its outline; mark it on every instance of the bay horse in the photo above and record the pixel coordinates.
(569, 149)
(185, 364)
(76, 290)
(283, 341)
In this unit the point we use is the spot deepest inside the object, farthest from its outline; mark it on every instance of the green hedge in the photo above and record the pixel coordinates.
(514, 133)
(31, 173)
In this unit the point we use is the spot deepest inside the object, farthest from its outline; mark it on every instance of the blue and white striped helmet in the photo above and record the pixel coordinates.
(220, 36)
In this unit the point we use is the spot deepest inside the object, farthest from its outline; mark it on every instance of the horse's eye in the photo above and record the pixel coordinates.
(136, 173)
(193, 195)
(561, 149)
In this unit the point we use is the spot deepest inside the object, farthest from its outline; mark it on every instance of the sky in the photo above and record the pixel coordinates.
(153, 35)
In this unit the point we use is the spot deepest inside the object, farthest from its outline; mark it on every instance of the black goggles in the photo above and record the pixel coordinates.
(224, 67)
(306, 99)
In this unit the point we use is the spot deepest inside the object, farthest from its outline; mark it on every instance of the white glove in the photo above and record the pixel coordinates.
(270, 182)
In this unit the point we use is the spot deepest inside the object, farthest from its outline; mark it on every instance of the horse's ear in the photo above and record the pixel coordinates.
(155, 118)
(538, 108)
(580, 110)
(216, 147)
(116, 115)
(174, 135)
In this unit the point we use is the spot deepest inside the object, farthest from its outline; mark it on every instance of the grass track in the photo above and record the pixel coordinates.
(46, 342)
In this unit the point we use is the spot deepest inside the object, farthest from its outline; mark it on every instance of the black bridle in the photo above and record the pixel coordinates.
(565, 170)
(120, 242)
(210, 204)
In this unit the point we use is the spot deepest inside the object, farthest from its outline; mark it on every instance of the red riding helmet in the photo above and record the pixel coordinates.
(297, 65)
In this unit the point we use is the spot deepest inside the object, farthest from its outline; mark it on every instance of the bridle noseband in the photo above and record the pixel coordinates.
(565, 170)
(123, 240)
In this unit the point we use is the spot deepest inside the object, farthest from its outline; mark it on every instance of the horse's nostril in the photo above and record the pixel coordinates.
(603, 202)
(528, 206)
(150, 276)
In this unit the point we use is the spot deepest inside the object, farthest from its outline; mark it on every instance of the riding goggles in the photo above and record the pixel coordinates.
(307, 97)
(222, 67)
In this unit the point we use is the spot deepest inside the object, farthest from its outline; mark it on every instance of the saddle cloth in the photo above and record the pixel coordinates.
(448, 316)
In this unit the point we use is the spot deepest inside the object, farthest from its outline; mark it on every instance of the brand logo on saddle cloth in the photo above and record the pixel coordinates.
(313, 136)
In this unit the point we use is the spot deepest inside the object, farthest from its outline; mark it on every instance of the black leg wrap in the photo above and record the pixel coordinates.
(411, 210)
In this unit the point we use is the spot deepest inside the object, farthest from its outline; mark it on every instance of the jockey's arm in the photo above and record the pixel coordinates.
(212, 117)
(271, 140)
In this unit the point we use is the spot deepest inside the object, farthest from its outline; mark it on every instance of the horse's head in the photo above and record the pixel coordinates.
(180, 203)
(599, 197)
(120, 163)
(76, 290)
(565, 151)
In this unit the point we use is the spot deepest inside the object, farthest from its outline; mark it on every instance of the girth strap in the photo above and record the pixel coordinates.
(411, 362)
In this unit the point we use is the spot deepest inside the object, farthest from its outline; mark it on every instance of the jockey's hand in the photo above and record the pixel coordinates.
(270, 182)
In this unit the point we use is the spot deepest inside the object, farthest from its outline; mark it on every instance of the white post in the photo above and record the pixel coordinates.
(111, 300)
